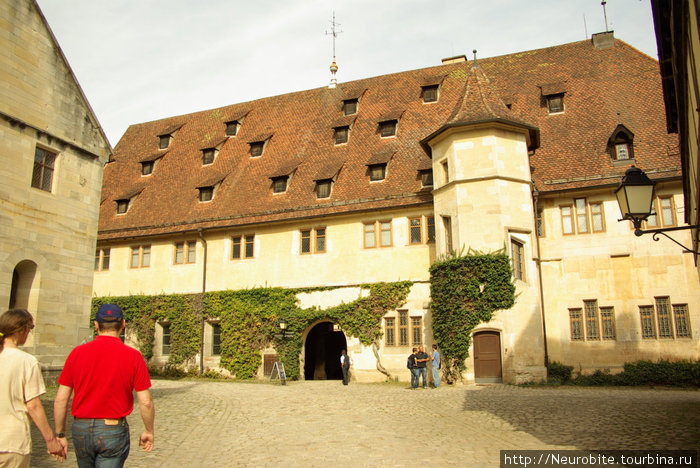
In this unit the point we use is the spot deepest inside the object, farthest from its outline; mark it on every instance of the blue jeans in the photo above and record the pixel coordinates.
(100, 445)
(423, 372)
(414, 377)
(436, 376)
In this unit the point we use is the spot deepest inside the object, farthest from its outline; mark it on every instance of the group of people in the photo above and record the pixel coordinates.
(418, 365)
(101, 375)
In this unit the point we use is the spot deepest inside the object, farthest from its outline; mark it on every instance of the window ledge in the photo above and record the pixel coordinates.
(624, 162)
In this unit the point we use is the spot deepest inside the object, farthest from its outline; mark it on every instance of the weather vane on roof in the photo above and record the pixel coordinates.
(605, 15)
(334, 68)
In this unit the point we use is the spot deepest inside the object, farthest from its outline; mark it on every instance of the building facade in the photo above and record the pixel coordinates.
(373, 180)
(52, 153)
(677, 26)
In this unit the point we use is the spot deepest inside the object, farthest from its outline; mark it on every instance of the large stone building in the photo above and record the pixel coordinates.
(677, 25)
(52, 152)
(375, 179)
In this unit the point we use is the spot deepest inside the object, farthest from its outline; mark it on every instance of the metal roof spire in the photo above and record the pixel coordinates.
(334, 67)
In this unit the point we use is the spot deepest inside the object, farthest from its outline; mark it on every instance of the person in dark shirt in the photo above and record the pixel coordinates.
(422, 359)
(414, 370)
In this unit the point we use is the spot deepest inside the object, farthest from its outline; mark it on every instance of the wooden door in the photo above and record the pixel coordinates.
(487, 357)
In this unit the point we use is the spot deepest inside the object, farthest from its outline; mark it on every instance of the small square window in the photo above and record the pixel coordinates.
(146, 168)
(42, 176)
(232, 128)
(122, 206)
(256, 149)
(429, 93)
(350, 106)
(377, 172)
(279, 184)
(388, 128)
(206, 193)
(622, 151)
(555, 103)
(208, 156)
(164, 141)
(340, 134)
(313, 240)
(426, 178)
(323, 188)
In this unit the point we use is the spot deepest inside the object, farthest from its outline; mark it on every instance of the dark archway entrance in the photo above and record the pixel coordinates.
(322, 355)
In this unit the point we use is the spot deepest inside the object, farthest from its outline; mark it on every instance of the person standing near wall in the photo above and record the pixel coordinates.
(345, 362)
(411, 364)
(422, 359)
(21, 387)
(104, 373)
(435, 366)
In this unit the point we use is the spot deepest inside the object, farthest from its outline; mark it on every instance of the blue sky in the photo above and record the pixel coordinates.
(141, 60)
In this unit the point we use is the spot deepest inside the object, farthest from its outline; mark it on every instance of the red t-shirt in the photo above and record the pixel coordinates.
(103, 374)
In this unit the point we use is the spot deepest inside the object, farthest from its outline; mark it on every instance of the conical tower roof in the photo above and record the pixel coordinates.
(481, 104)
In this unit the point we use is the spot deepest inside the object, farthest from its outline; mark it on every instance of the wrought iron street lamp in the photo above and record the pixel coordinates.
(635, 195)
(284, 333)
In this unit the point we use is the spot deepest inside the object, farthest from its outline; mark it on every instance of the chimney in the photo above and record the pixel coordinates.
(456, 59)
(603, 40)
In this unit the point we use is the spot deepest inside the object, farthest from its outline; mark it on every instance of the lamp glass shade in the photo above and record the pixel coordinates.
(635, 200)
(283, 324)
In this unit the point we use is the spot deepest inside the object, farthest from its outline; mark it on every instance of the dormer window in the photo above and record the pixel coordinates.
(622, 151)
(232, 128)
(377, 172)
(256, 149)
(279, 184)
(147, 168)
(340, 134)
(208, 155)
(258, 144)
(350, 106)
(122, 206)
(429, 93)
(323, 188)
(553, 95)
(620, 144)
(387, 128)
(426, 178)
(164, 141)
(555, 103)
(206, 193)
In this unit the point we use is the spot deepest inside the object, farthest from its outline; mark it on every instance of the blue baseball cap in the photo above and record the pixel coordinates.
(109, 313)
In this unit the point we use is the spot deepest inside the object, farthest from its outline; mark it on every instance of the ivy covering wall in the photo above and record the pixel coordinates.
(465, 291)
(249, 321)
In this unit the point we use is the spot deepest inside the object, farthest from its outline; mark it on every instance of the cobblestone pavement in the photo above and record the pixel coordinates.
(219, 424)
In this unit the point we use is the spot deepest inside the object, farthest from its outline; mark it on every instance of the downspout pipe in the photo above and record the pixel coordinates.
(200, 231)
(535, 198)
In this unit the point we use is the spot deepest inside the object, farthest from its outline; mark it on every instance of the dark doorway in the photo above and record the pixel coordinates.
(322, 356)
(487, 357)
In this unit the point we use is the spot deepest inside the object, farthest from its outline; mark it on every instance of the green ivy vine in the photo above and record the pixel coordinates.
(465, 291)
(249, 321)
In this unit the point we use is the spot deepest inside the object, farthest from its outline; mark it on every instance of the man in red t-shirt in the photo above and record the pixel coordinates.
(104, 373)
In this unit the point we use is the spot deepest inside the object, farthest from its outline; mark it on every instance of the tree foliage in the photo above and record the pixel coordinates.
(249, 321)
(465, 291)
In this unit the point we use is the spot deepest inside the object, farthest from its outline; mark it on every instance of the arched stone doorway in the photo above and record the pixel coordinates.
(23, 289)
(322, 353)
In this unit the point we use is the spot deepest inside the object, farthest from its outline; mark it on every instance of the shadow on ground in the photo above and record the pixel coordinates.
(594, 418)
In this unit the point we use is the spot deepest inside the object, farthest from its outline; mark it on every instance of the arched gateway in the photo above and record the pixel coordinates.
(322, 352)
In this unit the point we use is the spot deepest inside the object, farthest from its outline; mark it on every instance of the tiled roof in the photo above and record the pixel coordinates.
(603, 88)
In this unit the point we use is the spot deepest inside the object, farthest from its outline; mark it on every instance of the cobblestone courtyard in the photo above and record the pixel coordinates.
(202, 423)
